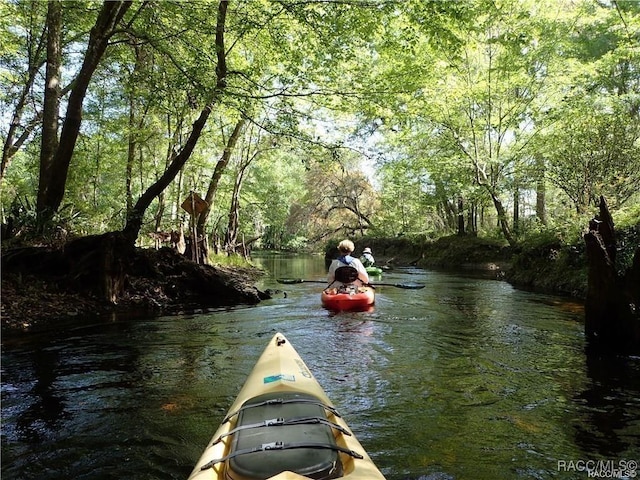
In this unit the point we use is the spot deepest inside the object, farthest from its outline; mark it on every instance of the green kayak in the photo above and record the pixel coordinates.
(374, 271)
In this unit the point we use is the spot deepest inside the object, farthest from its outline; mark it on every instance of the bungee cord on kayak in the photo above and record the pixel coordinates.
(278, 422)
(282, 425)
(282, 401)
(276, 446)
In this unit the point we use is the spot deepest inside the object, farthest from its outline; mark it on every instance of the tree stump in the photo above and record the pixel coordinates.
(612, 307)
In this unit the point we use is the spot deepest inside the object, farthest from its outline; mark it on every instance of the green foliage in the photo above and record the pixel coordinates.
(627, 225)
(628, 244)
(552, 258)
(455, 103)
(408, 201)
(600, 139)
(233, 260)
(24, 223)
(296, 244)
(629, 216)
(272, 184)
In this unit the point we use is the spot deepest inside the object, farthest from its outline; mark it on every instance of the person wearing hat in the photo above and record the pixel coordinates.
(367, 258)
(354, 274)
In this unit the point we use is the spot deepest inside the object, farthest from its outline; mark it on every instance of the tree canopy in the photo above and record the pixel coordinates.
(296, 120)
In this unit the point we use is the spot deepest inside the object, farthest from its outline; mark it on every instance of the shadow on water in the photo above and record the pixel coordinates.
(611, 402)
(467, 378)
(44, 414)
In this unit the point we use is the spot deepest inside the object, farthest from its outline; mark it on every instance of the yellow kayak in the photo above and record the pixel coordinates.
(282, 426)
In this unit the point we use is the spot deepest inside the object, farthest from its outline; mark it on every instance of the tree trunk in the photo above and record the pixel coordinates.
(231, 238)
(131, 155)
(472, 219)
(217, 173)
(612, 319)
(502, 219)
(516, 210)
(12, 144)
(54, 175)
(157, 220)
(541, 194)
(51, 109)
(460, 216)
(135, 217)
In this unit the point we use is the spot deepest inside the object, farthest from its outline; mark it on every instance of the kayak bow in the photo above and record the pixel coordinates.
(282, 426)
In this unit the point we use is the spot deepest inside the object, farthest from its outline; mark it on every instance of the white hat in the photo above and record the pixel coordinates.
(366, 250)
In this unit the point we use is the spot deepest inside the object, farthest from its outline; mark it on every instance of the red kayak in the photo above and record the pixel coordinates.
(361, 299)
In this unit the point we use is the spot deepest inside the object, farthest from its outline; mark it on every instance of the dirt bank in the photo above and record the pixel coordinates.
(40, 291)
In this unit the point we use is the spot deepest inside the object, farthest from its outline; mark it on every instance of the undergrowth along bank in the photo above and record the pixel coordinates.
(542, 263)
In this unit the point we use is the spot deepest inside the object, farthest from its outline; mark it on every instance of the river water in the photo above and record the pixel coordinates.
(467, 378)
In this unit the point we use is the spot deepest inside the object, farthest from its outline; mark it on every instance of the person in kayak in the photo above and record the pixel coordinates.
(352, 277)
(367, 258)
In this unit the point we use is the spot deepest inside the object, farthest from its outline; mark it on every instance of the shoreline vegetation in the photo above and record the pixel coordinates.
(44, 286)
(163, 282)
(116, 137)
(547, 268)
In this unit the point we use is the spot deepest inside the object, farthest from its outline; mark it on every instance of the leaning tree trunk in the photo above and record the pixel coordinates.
(612, 308)
(231, 237)
(13, 141)
(135, 217)
(502, 219)
(213, 186)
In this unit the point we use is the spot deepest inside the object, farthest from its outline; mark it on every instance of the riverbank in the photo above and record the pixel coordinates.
(158, 282)
(163, 282)
(547, 267)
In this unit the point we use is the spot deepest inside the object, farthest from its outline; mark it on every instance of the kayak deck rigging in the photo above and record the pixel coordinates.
(283, 426)
(279, 422)
(273, 446)
(282, 401)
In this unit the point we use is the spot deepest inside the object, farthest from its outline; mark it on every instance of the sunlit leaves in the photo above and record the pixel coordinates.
(596, 152)
(449, 95)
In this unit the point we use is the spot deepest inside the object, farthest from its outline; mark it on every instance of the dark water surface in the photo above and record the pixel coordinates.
(465, 379)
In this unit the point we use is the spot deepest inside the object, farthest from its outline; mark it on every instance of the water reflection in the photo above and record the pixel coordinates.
(465, 379)
(610, 420)
(46, 406)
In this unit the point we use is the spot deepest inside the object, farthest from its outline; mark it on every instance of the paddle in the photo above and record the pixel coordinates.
(409, 286)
